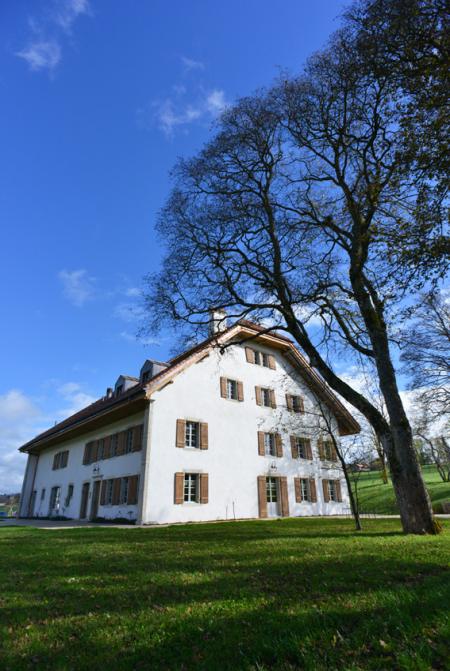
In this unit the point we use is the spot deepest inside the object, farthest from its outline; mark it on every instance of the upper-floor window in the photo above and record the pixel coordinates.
(327, 450)
(269, 444)
(192, 434)
(295, 403)
(114, 444)
(123, 491)
(260, 358)
(129, 441)
(60, 460)
(301, 447)
(232, 389)
(101, 449)
(265, 397)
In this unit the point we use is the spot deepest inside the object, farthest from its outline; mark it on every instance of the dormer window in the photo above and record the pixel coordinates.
(145, 376)
(119, 389)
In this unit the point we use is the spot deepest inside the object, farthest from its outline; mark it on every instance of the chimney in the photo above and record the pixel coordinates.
(109, 392)
(217, 321)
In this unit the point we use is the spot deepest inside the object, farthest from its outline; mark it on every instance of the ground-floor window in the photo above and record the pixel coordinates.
(55, 499)
(332, 490)
(191, 487)
(123, 491)
(109, 492)
(304, 489)
(271, 490)
(69, 496)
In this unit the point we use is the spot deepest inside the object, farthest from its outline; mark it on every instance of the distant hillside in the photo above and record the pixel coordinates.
(375, 497)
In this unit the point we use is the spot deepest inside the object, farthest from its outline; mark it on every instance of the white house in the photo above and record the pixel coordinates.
(236, 427)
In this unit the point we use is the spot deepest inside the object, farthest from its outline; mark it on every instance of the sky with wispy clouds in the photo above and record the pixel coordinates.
(98, 99)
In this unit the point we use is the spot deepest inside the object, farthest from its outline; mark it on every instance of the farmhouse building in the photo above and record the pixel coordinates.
(238, 426)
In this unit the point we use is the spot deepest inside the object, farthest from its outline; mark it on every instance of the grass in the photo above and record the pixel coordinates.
(376, 497)
(279, 595)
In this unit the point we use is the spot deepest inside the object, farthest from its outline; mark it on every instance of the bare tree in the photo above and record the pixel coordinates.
(302, 207)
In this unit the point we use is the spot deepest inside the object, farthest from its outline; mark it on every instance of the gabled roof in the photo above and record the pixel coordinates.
(109, 409)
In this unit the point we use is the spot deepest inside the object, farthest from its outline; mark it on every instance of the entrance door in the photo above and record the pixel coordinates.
(84, 500)
(95, 498)
(273, 508)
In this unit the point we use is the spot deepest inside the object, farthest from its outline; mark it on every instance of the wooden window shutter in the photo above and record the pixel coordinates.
(250, 355)
(338, 490)
(94, 450)
(262, 495)
(203, 435)
(181, 433)
(301, 403)
(107, 447)
(273, 402)
(65, 459)
(289, 403)
(223, 387)
(116, 491)
(284, 497)
(103, 493)
(121, 442)
(133, 489)
(271, 360)
(54, 467)
(138, 432)
(261, 447)
(179, 488)
(294, 447)
(86, 455)
(240, 390)
(258, 395)
(278, 445)
(308, 449)
(312, 490)
(334, 456)
(203, 487)
(321, 449)
(298, 490)
(326, 493)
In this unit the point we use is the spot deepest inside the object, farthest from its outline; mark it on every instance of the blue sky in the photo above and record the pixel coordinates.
(98, 99)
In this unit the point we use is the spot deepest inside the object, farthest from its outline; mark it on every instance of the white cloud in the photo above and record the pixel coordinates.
(44, 50)
(191, 64)
(41, 55)
(134, 292)
(73, 394)
(136, 340)
(77, 286)
(215, 102)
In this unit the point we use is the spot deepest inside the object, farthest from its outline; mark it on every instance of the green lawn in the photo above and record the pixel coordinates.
(376, 497)
(288, 594)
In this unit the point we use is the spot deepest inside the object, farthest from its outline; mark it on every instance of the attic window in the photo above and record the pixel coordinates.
(145, 376)
(119, 389)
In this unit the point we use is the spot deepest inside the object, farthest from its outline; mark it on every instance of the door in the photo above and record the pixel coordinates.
(55, 499)
(84, 500)
(95, 499)
(273, 508)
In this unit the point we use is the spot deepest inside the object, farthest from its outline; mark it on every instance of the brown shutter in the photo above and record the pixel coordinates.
(338, 490)
(203, 436)
(289, 402)
(298, 490)
(258, 395)
(181, 433)
(273, 402)
(223, 387)
(137, 437)
(240, 387)
(312, 490)
(87, 453)
(301, 404)
(294, 447)
(278, 445)
(133, 489)
(179, 488)
(107, 447)
(249, 355)
(121, 442)
(321, 451)
(284, 497)
(103, 493)
(261, 447)
(271, 360)
(203, 487)
(116, 491)
(326, 493)
(54, 467)
(65, 458)
(308, 449)
(262, 495)
(334, 456)
(94, 450)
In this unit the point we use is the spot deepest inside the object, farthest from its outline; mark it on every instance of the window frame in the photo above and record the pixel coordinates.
(109, 492)
(271, 488)
(232, 389)
(332, 491)
(69, 495)
(124, 487)
(189, 433)
(271, 449)
(191, 488)
(265, 394)
(129, 441)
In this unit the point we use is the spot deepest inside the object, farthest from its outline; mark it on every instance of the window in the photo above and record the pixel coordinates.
(192, 434)
(101, 449)
(302, 447)
(191, 487)
(60, 460)
(43, 494)
(271, 490)
(55, 498)
(269, 444)
(69, 496)
(295, 403)
(119, 389)
(329, 453)
(304, 487)
(145, 376)
(232, 389)
(129, 441)
(114, 443)
(332, 490)
(265, 397)
(123, 490)
(109, 492)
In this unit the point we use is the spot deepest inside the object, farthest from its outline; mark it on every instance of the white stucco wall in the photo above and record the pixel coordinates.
(77, 473)
(232, 460)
